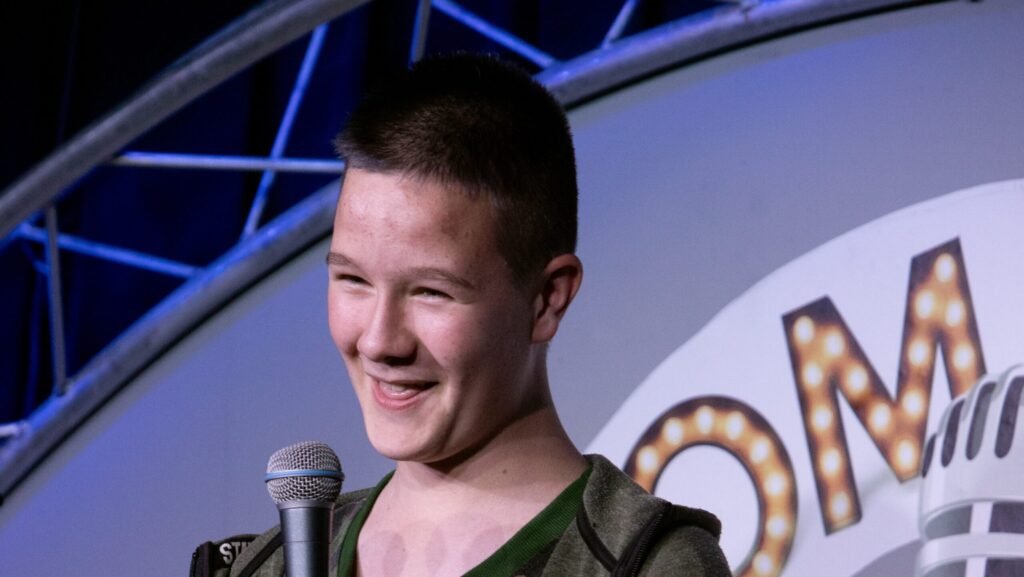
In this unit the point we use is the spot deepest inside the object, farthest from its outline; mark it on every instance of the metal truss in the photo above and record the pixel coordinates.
(262, 247)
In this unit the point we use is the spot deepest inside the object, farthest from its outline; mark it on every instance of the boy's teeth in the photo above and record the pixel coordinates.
(395, 388)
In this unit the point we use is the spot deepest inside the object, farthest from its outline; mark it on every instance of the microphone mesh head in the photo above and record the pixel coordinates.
(305, 456)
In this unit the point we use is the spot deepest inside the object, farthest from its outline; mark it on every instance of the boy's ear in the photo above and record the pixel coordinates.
(558, 285)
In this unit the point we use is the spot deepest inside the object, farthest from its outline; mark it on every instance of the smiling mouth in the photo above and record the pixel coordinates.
(398, 395)
(403, 389)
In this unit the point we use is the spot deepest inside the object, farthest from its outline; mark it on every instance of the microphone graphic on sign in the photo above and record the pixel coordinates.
(972, 496)
(304, 480)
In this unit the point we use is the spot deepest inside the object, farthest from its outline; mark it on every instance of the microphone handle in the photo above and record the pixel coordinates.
(306, 528)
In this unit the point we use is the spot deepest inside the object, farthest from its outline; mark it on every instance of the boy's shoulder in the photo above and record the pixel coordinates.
(624, 530)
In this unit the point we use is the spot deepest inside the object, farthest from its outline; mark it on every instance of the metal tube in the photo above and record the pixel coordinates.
(419, 33)
(222, 162)
(189, 305)
(491, 31)
(12, 429)
(266, 28)
(316, 41)
(57, 347)
(621, 20)
(111, 253)
(690, 39)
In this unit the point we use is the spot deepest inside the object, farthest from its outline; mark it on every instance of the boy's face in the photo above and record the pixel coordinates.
(435, 334)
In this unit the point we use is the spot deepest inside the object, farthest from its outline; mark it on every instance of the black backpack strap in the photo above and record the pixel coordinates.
(262, 555)
(214, 558)
(636, 552)
(664, 519)
(594, 543)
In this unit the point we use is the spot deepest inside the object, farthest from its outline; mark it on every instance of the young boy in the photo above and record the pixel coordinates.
(451, 266)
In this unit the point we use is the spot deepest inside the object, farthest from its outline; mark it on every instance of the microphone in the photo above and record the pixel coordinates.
(304, 480)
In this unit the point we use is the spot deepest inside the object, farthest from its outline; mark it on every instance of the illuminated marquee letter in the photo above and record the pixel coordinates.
(827, 360)
(741, 431)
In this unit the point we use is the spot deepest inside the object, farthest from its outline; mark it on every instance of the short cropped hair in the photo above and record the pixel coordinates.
(481, 126)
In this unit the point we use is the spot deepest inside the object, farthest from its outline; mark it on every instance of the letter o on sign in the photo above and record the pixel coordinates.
(741, 431)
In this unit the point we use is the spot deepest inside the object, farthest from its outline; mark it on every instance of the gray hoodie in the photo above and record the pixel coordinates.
(620, 531)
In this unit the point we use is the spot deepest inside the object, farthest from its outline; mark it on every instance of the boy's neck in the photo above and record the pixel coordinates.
(445, 518)
(532, 453)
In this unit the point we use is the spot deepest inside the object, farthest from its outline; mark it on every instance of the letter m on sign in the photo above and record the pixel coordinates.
(828, 361)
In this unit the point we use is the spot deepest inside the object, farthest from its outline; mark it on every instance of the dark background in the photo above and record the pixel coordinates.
(68, 63)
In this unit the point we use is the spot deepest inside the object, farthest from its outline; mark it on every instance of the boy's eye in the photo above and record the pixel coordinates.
(432, 293)
(348, 278)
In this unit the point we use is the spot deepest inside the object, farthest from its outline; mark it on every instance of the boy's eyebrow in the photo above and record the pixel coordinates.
(443, 275)
(338, 259)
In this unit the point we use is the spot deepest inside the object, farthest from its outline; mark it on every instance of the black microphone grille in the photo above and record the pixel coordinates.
(307, 471)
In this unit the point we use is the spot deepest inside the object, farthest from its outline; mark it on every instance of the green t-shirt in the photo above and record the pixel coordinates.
(534, 540)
